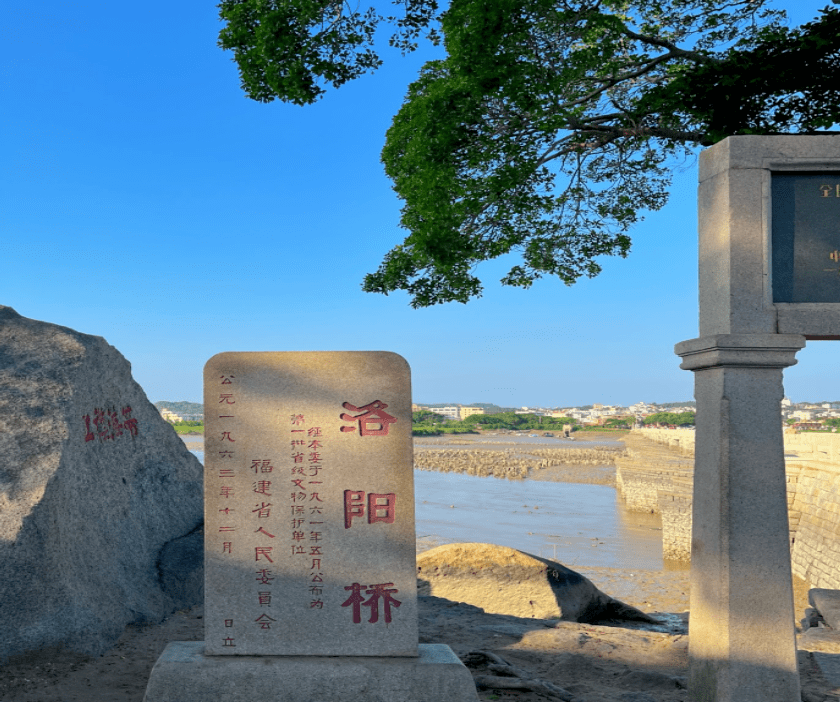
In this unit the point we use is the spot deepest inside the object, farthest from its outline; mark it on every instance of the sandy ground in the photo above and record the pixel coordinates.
(628, 663)
(593, 663)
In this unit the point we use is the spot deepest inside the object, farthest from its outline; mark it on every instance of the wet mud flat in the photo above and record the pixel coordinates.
(519, 458)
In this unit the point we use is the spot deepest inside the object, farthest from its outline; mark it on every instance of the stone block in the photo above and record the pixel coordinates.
(96, 492)
(184, 673)
(827, 603)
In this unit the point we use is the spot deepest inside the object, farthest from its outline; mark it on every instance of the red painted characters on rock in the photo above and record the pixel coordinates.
(107, 424)
(381, 507)
(380, 590)
(373, 420)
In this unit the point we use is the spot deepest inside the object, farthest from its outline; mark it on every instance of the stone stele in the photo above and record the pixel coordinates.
(310, 584)
(100, 501)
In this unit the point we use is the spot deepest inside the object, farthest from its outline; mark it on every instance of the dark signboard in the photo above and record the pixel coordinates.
(806, 237)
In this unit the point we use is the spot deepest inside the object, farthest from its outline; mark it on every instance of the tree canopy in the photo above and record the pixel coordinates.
(427, 417)
(681, 419)
(551, 125)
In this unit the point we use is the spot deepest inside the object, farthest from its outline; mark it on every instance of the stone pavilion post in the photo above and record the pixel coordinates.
(769, 278)
(741, 631)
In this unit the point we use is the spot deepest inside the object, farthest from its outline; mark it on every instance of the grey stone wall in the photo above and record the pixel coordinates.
(815, 522)
(657, 477)
(653, 481)
(675, 510)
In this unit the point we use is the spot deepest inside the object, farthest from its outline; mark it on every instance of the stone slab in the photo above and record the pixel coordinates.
(309, 505)
(824, 645)
(819, 638)
(183, 673)
(827, 603)
(829, 664)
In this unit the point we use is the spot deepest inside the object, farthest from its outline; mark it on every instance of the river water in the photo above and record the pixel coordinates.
(576, 524)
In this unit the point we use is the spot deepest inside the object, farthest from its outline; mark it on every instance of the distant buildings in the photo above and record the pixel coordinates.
(453, 412)
(448, 412)
(176, 418)
(170, 416)
(802, 415)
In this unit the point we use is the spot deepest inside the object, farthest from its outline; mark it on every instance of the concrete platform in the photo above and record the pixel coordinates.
(183, 673)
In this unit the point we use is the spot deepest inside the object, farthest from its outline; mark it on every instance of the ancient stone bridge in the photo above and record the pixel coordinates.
(657, 476)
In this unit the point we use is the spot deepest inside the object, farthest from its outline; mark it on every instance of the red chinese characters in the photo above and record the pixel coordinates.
(373, 420)
(109, 425)
(227, 490)
(264, 621)
(261, 513)
(379, 591)
(306, 524)
(381, 507)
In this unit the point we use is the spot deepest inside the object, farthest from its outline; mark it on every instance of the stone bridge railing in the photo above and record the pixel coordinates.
(681, 440)
(658, 477)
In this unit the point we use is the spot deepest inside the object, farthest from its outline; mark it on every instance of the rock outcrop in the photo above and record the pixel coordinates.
(100, 501)
(502, 580)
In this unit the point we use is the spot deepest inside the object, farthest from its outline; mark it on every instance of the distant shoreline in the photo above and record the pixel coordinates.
(597, 474)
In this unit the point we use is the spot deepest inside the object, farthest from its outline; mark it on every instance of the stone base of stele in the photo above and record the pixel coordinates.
(183, 673)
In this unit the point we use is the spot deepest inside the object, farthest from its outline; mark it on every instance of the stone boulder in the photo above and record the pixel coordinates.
(502, 580)
(100, 502)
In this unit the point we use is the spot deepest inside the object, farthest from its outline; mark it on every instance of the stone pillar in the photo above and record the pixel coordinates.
(742, 644)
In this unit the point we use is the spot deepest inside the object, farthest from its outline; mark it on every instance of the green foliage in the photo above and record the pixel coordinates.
(599, 427)
(181, 407)
(539, 94)
(781, 80)
(513, 421)
(458, 429)
(499, 419)
(680, 419)
(427, 417)
(618, 423)
(189, 427)
(832, 422)
(426, 431)
(426, 423)
(284, 48)
(549, 127)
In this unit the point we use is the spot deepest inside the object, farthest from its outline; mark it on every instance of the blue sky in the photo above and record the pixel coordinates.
(145, 199)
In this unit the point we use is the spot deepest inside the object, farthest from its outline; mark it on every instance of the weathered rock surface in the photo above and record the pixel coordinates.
(827, 603)
(100, 501)
(502, 580)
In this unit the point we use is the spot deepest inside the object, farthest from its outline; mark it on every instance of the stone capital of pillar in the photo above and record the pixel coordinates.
(740, 351)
